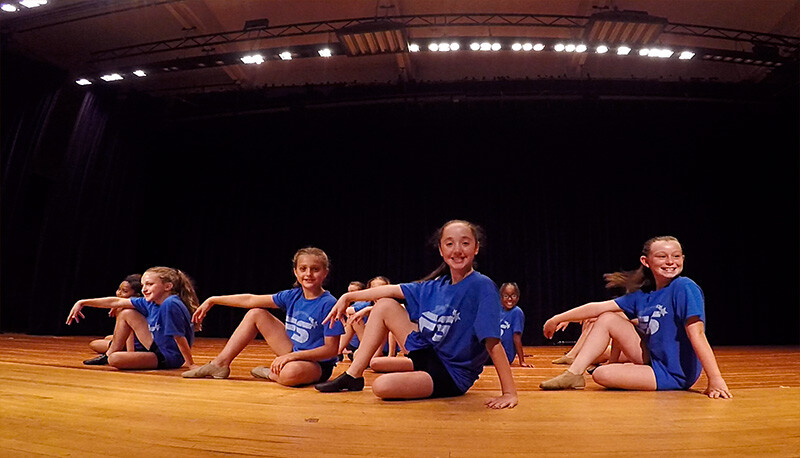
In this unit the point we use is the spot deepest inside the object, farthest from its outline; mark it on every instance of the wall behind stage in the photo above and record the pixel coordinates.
(565, 189)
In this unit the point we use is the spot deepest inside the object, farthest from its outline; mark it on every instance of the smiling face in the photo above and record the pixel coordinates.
(310, 271)
(458, 248)
(509, 296)
(154, 289)
(665, 261)
(124, 290)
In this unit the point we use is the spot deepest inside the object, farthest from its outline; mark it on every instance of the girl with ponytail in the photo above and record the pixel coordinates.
(160, 320)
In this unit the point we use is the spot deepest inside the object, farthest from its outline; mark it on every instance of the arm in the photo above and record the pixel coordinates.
(695, 330)
(248, 301)
(590, 310)
(518, 348)
(328, 350)
(371, 294)
(186, 351)
(509, 397)
(102, 302)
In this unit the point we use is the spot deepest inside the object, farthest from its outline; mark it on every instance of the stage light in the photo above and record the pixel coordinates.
(538, 47)
(378, 37)
(475, 46)
(602, 49)
(527, 47)
(139, 73)
(111, 77)
(83, 82)
(413, 47)
(433, 47)
(454, 46)
(559, 47)
(325, 52)
(623, 50)
(631, 27)
(516, 47)
(569, 48)
(496, 46)
(253, 59)
(8, 8)
(580, 48)
(486, 46)
(286, 55)
(686, 55)
(33, 3)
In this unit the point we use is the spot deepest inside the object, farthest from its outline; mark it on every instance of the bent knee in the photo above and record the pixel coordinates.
(299, 374)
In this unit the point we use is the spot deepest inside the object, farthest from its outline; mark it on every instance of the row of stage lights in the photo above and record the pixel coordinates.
(485, 46)
(14, 7)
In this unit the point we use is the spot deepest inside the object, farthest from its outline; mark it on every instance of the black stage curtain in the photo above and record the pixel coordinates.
(97, 186)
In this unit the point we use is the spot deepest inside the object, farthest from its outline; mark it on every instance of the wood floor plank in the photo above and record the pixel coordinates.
(52, 405)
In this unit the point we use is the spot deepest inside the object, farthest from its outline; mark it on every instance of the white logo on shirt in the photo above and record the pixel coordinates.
(439, 325)
(650, 326)
(299, 328)
(503, 326)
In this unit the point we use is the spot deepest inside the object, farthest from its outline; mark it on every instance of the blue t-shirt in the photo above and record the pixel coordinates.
(304, 319)
(167, 321)
(662, 316)
(454, 320)
(511, 322)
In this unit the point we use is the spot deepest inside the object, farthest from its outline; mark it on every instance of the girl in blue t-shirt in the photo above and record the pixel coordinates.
(449, 325)
(667, 347)
(160, 320)
(512, 323)
(306, 349)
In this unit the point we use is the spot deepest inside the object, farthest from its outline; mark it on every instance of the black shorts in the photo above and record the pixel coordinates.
(162, 364)
(327, 370)
(426, 360)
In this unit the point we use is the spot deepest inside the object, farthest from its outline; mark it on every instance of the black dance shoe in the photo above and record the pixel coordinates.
(99, 360)
(344, 382)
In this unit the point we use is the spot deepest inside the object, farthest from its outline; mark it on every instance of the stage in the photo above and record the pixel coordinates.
(53, 405)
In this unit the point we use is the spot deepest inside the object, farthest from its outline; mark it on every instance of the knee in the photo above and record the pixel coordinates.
(295, 375)
(606, 319)
(115, 360)
(600, 376)
(255, 314)
(127, 314)
(382, 387)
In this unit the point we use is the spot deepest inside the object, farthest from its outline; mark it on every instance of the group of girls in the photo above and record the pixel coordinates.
(448, 324)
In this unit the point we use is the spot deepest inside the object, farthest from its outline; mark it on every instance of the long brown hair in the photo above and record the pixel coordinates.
(436, 239)
(641, 278)
(182, 285)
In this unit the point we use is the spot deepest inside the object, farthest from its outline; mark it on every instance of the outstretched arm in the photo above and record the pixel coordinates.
(509, 397)
(248, 301)
(695, 330)
(590, 310)
(371, 294)
(102, 302)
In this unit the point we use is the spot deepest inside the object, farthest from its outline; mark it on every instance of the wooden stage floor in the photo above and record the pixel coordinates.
(52, 405)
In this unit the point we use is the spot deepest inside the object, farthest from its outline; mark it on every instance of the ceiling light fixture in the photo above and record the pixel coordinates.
(368, 38)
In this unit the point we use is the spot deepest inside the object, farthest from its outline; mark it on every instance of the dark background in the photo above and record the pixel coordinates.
(97, 185)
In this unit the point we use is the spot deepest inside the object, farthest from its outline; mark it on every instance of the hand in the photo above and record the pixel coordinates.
(75, 313)
(337, 312)
(200, 313)
(552, 325)
(279, 362)
(506, 401)
(524, 364)
(717, 389)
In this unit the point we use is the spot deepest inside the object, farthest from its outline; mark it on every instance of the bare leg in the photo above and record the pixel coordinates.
(254, 321)
(130, 322)
(403, 385)
(387, 315)
(635, 376)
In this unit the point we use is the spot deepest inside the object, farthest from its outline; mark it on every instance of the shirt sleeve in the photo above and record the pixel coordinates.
(689, 301)
(140, 305)
(175, 322)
